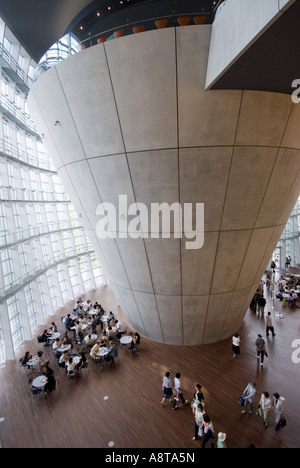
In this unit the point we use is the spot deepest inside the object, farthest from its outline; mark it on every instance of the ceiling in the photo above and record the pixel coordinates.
(38, 24)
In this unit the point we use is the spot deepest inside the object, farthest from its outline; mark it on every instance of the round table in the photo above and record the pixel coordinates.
(33, 361)
(104, 318)
(93, 312)
(64, 348)
(40, 381)
(102, 352)
(93, 337)
(126, 340)
(54, 336)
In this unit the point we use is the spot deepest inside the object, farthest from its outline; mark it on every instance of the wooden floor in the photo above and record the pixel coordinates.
(79, 415)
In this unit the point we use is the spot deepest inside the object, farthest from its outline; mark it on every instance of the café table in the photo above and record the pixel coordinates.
(34, 361)
(40, 381)
(102, 352)
(93, 312)
(126, 340)
(93, 337)
(54, 336)
(64, 348)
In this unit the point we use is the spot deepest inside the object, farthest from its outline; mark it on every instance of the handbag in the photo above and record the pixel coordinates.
(241, 401)
(283, 422)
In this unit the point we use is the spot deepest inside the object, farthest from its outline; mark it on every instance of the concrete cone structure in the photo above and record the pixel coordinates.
(132, 117)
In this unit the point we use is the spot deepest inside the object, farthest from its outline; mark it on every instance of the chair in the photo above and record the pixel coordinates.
(138, 29)
(100, 40)
(132, 350)
(23, 366)
(72, 375)
(34, 392)
(183, 20)
(119, 33)
(161, 23)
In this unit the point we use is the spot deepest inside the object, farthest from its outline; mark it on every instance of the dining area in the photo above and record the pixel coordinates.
(74, 346)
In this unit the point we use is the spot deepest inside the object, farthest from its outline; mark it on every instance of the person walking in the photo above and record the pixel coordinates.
(167, 388)
(208, 432)
(199, 413)
(279, 411)
(197, 398)
(177, 388)
(221, 440)
(273, 266)
(261, 304)
(265, 406)
(260, 347)
(248, 397)
(236, 341)
(270, 327)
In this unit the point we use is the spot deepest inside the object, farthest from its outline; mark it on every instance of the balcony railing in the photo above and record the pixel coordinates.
(11, 62)
(16, 114)
(17, 285)
(11, 194)
(10, 150)
(8, 240)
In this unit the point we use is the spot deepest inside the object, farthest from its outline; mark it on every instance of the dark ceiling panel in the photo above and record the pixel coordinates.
(38, 24)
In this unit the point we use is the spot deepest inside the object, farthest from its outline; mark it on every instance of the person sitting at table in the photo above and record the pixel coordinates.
(83, 361)
(110, 317)
(51, 382)
(104, 337)
(63, 359)
(25, 359)
(53, 328)
(120, 327)
(112, 353)
(78, 331)
(94, 351)
(44, 337)
(57, 344)
(137, 338)
(67, 341)
(70, 366)
(41, 359)
(90, 341)
(109, 332)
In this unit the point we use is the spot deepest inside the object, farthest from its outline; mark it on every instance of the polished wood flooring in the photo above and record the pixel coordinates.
(122, 404)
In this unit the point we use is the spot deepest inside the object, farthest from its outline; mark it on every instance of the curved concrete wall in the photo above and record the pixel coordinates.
(134, 118)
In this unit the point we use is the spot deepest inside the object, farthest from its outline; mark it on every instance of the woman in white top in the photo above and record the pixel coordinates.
(70, 366)
(167, 388)
(266, 406)
(208, 432)
(236, 341)
(199, 413)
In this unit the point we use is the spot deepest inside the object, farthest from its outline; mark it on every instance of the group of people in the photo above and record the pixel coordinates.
(203, 426)
(266, 404)
(260, 344)
(288, 290)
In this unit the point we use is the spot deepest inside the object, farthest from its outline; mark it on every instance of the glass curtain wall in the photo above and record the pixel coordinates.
(289, 244)
(46, 257)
